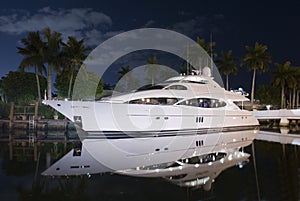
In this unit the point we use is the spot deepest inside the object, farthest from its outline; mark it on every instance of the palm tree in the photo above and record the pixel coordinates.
(192, 54)
(32, 56)
(73, 53)
(256, 59)
(126, 83)
(293, 84)
(51, 55)
(208, 47)
(282, 77)
(2, 95)
(152, 71)
(152, 60)
(298, 89)
(227, 65)
(123, 71)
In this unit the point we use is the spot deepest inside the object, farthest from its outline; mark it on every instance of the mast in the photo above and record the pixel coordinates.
(211, 54)
(187, 59)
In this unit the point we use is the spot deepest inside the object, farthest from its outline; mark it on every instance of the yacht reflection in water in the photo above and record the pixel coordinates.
(193, 172)
(197, 171)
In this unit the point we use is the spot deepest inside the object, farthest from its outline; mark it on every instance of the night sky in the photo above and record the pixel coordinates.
(233, 25)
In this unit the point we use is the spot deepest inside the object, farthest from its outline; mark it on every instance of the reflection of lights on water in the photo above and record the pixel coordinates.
(197, 182)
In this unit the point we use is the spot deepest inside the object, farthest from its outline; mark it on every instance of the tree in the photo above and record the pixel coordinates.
(282, 77)
(152, 71)
(51, 55)
(128, 80)
(268, 94)
(227, 65)
(256, 59)
(88, 85)
(38, 52)
(2, 95)
(208, 47)
(123, 71)
(33, 46)
(298, 89)
(295, 86)
(73, 53)
(199, 58)
(21, 87)
(62, 81)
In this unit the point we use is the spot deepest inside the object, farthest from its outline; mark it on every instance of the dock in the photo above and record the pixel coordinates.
(27, 118)
(37, 125)
(285, 116)
(282, 137)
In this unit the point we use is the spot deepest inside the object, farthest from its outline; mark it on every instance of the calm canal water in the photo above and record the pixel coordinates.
(273, 173)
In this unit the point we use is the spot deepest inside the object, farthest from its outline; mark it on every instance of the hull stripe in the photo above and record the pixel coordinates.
(162, 133)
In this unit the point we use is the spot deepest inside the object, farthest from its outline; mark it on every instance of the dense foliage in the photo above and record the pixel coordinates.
(62, 83)
(268, 94)
(21, 88)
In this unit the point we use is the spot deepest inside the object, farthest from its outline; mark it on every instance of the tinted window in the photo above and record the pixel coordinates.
(204, 102)
(155, 101)
(150, 87)
(177, 87)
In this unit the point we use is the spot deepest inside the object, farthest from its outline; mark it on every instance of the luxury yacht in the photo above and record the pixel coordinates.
(182, 117)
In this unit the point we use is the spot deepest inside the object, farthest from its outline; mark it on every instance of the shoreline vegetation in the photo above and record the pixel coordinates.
(45, 54)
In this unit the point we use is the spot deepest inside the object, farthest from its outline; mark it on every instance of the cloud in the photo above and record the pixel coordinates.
(80, 22)
(149, 23)
(184, 13)
(95, 36)
(200, 25)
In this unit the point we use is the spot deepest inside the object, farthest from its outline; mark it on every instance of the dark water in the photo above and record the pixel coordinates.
(276, 177)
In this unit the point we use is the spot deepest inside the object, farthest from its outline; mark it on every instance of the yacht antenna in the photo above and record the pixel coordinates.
(187, 59)
(211, 54)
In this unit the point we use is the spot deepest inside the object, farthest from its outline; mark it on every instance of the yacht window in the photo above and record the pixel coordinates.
(150, 87)
(176, 177)
(211, 157)
(155, 101)
(177, 87)
(204, 102)
(196, 82)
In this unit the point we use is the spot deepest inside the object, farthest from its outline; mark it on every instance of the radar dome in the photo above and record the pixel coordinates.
(206, 71)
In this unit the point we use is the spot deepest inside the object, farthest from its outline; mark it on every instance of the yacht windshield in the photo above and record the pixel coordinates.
(177, 87)
(150, 87)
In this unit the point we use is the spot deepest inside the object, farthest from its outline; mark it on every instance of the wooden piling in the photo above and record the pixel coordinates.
(36, 109)
(11, 115)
